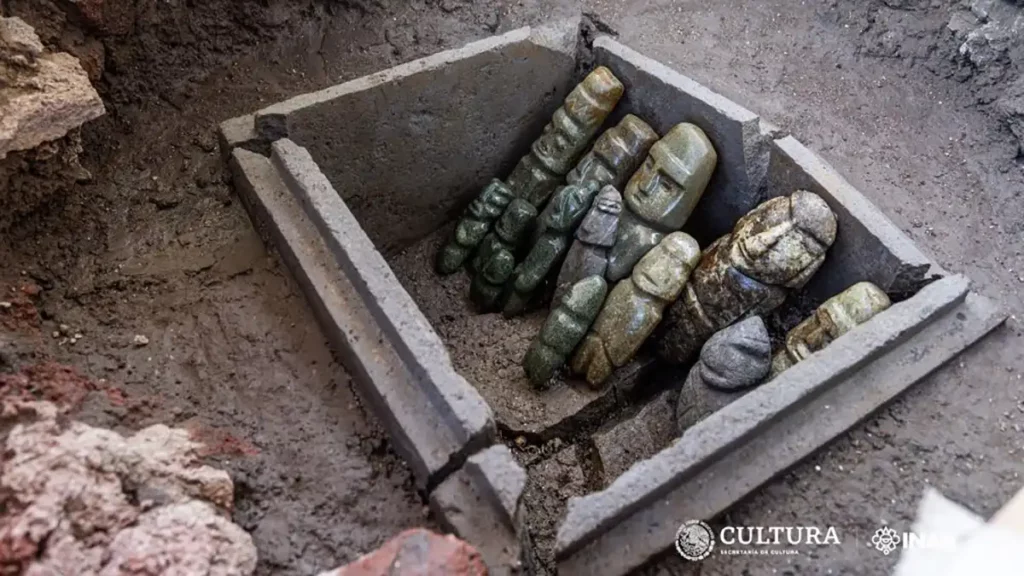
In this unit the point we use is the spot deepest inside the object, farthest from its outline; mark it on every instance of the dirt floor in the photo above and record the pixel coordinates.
(158, 246)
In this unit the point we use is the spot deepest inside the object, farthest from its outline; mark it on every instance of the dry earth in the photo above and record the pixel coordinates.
(157, 245)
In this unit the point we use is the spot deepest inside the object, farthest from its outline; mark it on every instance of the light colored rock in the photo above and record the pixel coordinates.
(46, 104)
(19, 43)
(83, 500)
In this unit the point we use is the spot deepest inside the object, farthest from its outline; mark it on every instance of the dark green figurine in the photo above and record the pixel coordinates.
(565, 327)
(542, 169)
(495, 260)
(473, 227)
(567, 208)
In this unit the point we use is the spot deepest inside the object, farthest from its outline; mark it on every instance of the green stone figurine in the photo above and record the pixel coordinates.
(474, 225)
(616, 154)
(837, 316)
(772, 250)
(614, 157)
(635, 306)
(565, 327)
(588, 255)
(495, 260)
(567, 208)
(566, 137)
(542, 169)
(661, 195)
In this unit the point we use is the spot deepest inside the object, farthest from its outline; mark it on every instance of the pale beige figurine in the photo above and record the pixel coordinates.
(837, 316)
(772, 250)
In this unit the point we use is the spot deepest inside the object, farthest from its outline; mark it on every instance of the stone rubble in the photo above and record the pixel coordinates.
(88, 501)
(43, 96)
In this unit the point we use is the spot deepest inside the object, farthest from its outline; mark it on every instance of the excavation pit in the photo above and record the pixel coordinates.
(358, 184)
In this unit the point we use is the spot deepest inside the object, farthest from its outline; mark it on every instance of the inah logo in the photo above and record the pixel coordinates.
(695, 540)
(885, 540)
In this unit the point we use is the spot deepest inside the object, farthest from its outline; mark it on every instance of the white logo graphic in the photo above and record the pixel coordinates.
(885, 540)
(695, 540)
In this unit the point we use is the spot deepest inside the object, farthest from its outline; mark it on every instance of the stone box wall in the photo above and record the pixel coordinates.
(386, 162)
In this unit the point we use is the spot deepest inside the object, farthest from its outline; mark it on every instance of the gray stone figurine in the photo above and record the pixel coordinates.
(595, 236)
(732, 361)
(565, 327)
(494, 262)
(662, 195)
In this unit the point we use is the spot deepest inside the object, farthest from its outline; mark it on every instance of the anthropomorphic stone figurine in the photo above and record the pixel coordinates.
(661, 195)
(565, 327)
(588, 255)
(495, 261)
(474, 226)
(731, 363)
(542, 169)
(773, 249)
(567, 208)
(615, 156)
(566, 137)
(837, 316)
(634, 307)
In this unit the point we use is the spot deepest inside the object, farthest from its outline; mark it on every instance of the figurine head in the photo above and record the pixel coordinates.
(616, 154)
(664, 270)
(783, 241)
(666, 188)
(601, 223)
(854, 306)
(516, 222)
(582, 113)
(568, 206)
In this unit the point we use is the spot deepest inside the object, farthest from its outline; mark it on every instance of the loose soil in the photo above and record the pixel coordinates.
(157, 245)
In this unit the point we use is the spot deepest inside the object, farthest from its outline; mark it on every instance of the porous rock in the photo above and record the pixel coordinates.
(83, 500)
(417, 552)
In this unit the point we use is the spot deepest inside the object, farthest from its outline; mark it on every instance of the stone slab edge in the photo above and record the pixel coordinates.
(398, 316)
(876, 346)
(271, 123)
(379, 374)
(915, 263)
(481, 503)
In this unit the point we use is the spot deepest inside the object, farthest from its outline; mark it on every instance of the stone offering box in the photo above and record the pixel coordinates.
(358, 184)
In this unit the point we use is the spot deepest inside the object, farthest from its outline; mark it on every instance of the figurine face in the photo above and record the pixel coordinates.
(582, 113)
(784, 236)
(602, 222)
(616, 154)
(559, 142)
(664, 270)
(666, 188)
